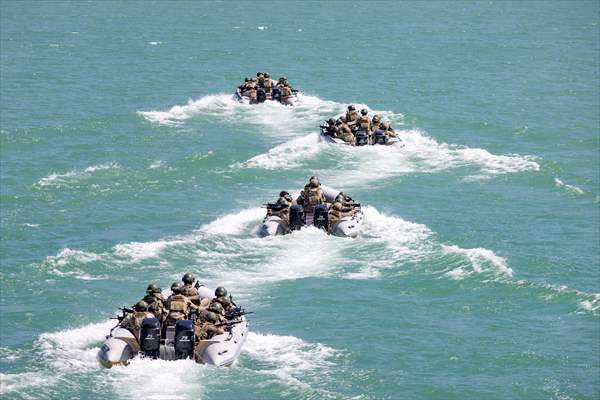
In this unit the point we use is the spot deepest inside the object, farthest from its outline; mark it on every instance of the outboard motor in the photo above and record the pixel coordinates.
(296, 217)
(184, 339)
(380, 137)
(276, 94)
(150, 337)
(261, 95)
(320, 216)
(362, 138)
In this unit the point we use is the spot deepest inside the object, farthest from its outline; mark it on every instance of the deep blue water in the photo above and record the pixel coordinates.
(124, 160)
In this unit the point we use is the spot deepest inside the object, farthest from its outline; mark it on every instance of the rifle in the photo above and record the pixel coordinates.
(236, 313)
(274, 206)
(229, 324)
(354, 204)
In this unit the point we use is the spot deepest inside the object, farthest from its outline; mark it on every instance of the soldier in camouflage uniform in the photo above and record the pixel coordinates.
(188, 289)
(341, 208)
(345, 132)
(133, 321)
(352, 116)
(156, 301)
(179, 306)
(311, 195)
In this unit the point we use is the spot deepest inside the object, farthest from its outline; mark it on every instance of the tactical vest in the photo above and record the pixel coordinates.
(268, 84)
(313, 196)
(189, 291)
(179, 304)
(364, 123)
(286, 92)
(351, 116)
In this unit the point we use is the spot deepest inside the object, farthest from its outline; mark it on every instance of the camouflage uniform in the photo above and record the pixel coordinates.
(179, 307)
(338, 210)
(311, 196)
(204, 326)
(345, 133)
(352, 117)
(133, 322)
(156, 304)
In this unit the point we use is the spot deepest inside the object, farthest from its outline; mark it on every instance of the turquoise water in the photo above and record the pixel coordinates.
(124, 161)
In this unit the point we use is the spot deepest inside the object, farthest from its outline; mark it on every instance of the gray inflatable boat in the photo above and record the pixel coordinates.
(346, 227)
(178, 342)
(361, 140)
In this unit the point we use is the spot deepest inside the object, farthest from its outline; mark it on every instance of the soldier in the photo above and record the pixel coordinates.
(205, 325)
(286, 93)
(267, 83)
(388, 130)
(156, 301)
(282, 207)
(179, 306)
(133, 321)
(345, 132)
(331, 129)
(189, 290)
(311, 195)
(340, 208)
(376, 122)
(351, 116)
(222, 298)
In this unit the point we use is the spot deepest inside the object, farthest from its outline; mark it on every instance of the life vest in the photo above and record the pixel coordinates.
(351, 116)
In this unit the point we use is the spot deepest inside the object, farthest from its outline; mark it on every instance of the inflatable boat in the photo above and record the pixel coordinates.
(262, 96)
(361, 139)
(348, 226)
(175, 343)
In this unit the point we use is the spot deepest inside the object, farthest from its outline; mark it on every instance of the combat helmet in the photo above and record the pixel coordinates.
(216, 307)
(176, 287)
(221, 291)
(364, 111)
(152, 288)
(188, 278)
(141, 306)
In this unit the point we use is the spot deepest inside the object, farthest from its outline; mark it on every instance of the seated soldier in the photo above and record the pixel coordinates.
(133, 322)
(267, 84)
(281, 208)
(311, 195)
(156, 301)
(389, 131)
(188, 289)
(376, 122)
(205, 325)
(351, 116)
(178, 305)
(222, 298)
(345, 132)
(285, 92)
(364, 122)
(341, 208)
(331, 129)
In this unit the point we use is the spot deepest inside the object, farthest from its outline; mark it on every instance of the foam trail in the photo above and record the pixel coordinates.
(287, 155)
(178, 380)
(56, 179)
(235, 223)
(21, 381)
(569, 188)
(481, 260)
(74, 350)
(420, 154)
(290, 359)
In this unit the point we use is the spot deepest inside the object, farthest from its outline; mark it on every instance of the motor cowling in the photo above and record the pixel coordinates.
(261, 95)
(362, 138)
(184, 339)
(320, 216)
(296, 217)
(380, 137)
(150, 337)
